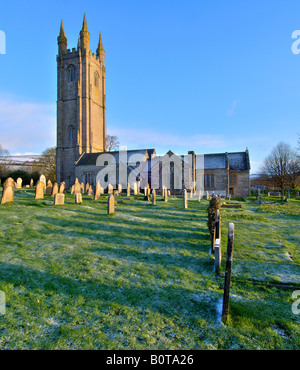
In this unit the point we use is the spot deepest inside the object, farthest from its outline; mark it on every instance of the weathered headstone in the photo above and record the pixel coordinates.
(54, 189)
(78, 198)
(77, 187)
(153, 197)
(19, 183)
(169, 193)
(39, 190)
(43, 179)
(128, 190)
(8, 191)
(72, 189)
(97, 191)
(90, 191)
(110, 189)
(191, 193)
(87, 186)
(82, 187)
(62, 187)
(116, 193)
(135, 188)
(200, 195)
(119, 188)
(31, 183)
(49, 188)
(110, 204)
(207, 195)
(59, 199)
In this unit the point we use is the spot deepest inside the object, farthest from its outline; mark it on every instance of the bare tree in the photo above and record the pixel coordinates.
(280, 166)
(46, 164)
(112, 143)
(4, 164)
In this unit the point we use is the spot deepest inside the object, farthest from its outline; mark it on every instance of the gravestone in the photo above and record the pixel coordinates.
(43, 179)
(90, 192)
(153, 197)
(110, 189)
(116, 193)
(110, 204)
(87, 186)
(207, 195)
(185, 201)
(62, 187)
(59, 199)
(169, 193)
(135, 189)
(72, 189)
(39, 190)
(8, 191)
(191, 194)
(166, 196)
(97, 191)
(49, 188)
(54, 189)
(200, 194)
(31, 183)
(78, 198)
(120, 188)
(19, 183)
(77, 187)
(145, 191)
(128, 190)
(82, 187)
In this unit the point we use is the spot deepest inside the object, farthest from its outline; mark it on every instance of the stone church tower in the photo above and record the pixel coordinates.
(81, 106)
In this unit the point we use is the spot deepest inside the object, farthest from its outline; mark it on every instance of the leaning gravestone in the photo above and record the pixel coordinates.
(19, 183)
(110, 204)
(78, 198)
(39, 190)
(8, 191)
(62, 187)
(54, 189)
(59, 199)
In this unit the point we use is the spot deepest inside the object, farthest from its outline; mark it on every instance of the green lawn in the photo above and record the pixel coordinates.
(143, 278)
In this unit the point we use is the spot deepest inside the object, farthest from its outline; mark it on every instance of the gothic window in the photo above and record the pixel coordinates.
(232, 179)
(212, 181)
(209, 181)
(71, 73)
(71, 133)
(96, 77)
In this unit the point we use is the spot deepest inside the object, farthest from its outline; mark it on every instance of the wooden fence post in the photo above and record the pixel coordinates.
(213, 237)
(225, 311)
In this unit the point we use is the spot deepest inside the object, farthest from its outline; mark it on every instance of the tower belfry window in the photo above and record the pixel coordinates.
(71, 73)
(71, 133)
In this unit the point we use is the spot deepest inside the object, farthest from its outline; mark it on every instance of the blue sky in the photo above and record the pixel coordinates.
(208, 76)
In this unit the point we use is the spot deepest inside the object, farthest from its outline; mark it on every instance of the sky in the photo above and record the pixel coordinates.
(209, 76)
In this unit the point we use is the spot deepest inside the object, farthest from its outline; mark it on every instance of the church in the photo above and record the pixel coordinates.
(81, 137)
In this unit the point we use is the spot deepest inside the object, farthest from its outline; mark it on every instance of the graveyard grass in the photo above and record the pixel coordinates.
(143, 278)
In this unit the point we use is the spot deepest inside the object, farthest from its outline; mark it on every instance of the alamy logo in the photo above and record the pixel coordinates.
(2, 42)
(2, 303)
(295, 44)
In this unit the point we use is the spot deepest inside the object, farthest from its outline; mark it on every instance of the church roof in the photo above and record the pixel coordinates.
(238, 161)
(90, 159)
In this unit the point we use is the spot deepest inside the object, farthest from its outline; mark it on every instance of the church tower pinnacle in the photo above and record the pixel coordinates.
(62, 40)
(85, 35)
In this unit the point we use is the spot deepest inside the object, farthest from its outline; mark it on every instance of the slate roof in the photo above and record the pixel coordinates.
(90, 159)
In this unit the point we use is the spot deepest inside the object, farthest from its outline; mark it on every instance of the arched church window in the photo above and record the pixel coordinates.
(71, 73)
(96, 79)
(212, 181)
(71, 133)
